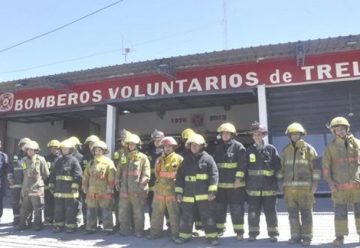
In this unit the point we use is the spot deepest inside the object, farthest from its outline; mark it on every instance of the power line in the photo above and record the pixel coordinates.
(165, 37)
(61, 27)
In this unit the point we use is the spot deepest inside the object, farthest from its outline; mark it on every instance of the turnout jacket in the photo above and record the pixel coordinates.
(230, 159)
(197, 177)
(341, 161)
(66, 177)
(262, 167)
(297, 165)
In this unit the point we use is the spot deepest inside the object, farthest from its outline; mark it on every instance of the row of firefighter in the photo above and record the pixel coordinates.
(188, 185)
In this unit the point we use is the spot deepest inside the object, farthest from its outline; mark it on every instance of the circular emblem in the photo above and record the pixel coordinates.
(6, 102)
(197, 120)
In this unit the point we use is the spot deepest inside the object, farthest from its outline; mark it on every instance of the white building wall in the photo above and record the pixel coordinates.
(174, 122)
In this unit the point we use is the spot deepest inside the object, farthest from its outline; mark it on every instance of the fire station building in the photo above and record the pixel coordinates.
(307, 81)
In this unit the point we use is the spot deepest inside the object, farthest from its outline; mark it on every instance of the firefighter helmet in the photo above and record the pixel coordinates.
(23, 141)
(156, 134)
(32, 145)
(339, 121)
(186, 133)
(54, 143)
(91, 138)
(196, 139)
(100, 144)
(227, 127)
(133, 138)
(75, 140)
(257, 127)
(295, 128)
(169, 141)
(67, 144)
(123, 134)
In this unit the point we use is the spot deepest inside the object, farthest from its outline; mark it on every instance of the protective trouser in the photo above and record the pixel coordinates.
(160, 205)
(150, 199)
(15, 203)
(49, 206)
(300, 202)
(131, 213)
(29, 204)
(235, 199)
(65, 212)
(116, 207)
(99, 209)
(268, 204)
(342, 199)
(82, 211)
(2, 191)
(206, 210)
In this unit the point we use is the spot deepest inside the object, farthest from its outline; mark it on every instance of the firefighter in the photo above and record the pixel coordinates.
(231, 161)
(98, 184)
(88, 157)
(164, 190)
(262, 167)
(78, 146)
(35, 171)
(196, 186)
(81, 216)
(133, 185)
(300, 180)
(64, 183)
(15, 179)
(185, 135)
(4, 163)
(119, 158)
(340, 167)
(182, 150)
(54, 155)
(155, 151)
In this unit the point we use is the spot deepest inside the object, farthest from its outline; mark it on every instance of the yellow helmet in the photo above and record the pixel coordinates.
(339, 121)
(75, 140)
(100, 144)
(295, 128)
(196, 139)
(67, 144)
(54, 143)
(133, 138)
(124, 134)
(186, 133)
(91, 138)
(227, 127)
(32, 145)
(23, 141)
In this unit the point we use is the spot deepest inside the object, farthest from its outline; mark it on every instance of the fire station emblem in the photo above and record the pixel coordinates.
(6, 102)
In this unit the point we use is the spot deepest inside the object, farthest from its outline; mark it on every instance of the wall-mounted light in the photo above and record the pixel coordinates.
(125, 112)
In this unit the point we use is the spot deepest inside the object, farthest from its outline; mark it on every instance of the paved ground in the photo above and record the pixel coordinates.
(323, 229)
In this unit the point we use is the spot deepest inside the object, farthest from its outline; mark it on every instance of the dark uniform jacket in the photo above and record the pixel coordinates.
(231, 162)
(197, 177)
(262, 168)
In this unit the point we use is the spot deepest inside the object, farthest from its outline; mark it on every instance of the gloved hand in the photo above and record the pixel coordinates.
(11, 181)
(211, 196)
(237, 184)
(179, 198)
(357, 175)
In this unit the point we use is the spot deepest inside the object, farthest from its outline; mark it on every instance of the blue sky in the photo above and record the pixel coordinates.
(156, 29)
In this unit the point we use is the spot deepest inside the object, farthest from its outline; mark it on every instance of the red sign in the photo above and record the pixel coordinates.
(273, 72)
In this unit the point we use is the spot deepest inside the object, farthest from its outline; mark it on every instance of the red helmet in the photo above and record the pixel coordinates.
(169, 141)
